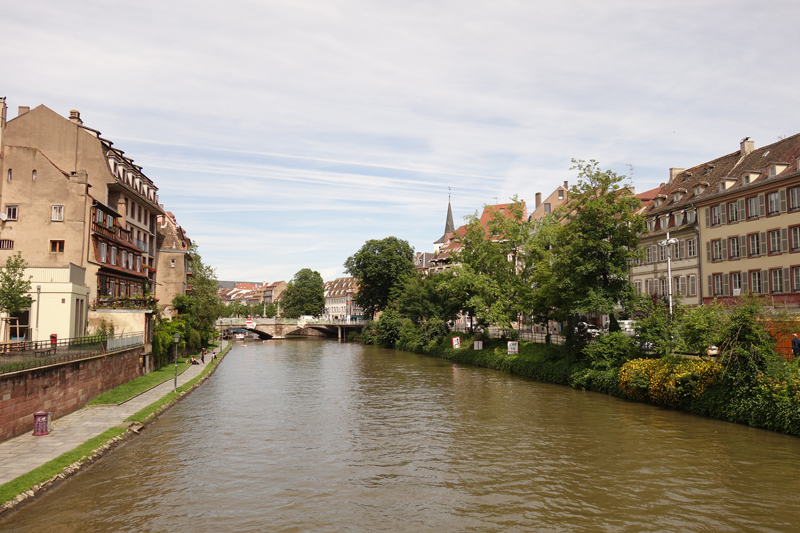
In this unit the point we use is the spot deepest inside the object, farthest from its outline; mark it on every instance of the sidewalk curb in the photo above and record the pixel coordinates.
(134, 429)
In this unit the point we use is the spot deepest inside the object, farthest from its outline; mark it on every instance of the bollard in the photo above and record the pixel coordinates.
(40, 426)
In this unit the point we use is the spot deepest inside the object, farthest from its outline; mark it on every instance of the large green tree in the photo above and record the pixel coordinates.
(494, 279)
(597, 244)
(304, 294)
(423, 297)
(14, 287)
(206, 306)
(379, 266)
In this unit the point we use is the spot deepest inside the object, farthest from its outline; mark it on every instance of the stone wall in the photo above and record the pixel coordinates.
(61, 389)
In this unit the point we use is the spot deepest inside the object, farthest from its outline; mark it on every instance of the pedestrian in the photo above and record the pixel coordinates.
(795, 346)
(203, 356)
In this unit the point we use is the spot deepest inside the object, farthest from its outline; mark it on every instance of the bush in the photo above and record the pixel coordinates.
(668, 382)
(387, 331)
(610, 351)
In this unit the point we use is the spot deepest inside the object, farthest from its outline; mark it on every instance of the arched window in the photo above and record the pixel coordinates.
(9, 174)
(33, 175)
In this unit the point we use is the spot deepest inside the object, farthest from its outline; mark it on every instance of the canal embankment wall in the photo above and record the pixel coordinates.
(62, 388)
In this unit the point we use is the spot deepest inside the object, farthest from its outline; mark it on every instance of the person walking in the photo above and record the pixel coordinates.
(795, 346)
(203, 356)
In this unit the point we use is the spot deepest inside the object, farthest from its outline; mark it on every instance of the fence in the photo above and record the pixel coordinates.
(23, 355)
(526, 333)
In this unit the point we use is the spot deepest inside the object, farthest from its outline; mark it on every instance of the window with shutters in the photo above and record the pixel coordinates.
(755, 282)
(755, 245)
(776, 276)
(114, 255)
(795, 238)
(733, 213)
(664, 287)
(651, 224)
(691, 248)
(638, 286)
(676, 251)
(716, 250)
(662, 253)
(716, 215)
(796, 278)
(691, 216)
(98, 216)
(103, 252)
(736, 283)
(733, 248)
(752, 207)
(794, 198)
(692, 285)
(717, 284)
(648, 254)
(775, 241)
(773, 203)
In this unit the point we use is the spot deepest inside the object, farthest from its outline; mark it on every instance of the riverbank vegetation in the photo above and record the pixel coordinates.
(576, 263)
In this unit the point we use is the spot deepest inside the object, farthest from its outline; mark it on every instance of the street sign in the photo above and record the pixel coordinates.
(513, 347)
(456, 343)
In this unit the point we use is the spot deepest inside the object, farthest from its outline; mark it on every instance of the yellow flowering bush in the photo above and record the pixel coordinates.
(667, 381)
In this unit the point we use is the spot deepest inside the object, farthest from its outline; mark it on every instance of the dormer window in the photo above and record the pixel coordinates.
(651, 224)
(690, 216)
(698, 189)
(657, 202)
(676, 196)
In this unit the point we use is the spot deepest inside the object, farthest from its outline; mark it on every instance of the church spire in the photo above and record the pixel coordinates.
(449, 227)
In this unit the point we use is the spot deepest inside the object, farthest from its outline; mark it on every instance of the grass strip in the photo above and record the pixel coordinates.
(128, 390)
(10, 490)
(143, 414)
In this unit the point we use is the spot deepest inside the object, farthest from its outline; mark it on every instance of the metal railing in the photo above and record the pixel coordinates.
(22, 355)
(290, 321)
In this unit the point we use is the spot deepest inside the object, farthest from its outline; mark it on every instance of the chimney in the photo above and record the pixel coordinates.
(566, 185)
(747, 146)
(22, 110)
(538, 199)
(75, 116)
(674, 172)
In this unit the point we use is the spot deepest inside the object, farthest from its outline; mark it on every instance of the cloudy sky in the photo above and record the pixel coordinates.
(283, 134)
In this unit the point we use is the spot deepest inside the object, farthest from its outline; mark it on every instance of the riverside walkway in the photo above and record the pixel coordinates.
(22, 454)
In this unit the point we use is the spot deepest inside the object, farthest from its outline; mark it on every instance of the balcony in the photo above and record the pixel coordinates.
(124, 302)
(141, 245)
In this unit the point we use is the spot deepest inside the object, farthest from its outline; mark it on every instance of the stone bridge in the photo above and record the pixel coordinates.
(279, 328)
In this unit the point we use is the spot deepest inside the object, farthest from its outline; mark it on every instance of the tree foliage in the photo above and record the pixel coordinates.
(201, 306)
(304, 294)
(594, 249)
(495, 276)
(379, 266)
(423, 297)
(14, 287)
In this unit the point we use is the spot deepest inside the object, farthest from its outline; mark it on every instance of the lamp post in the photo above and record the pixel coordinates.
(669, 242)
(177, 338)
(38, 305)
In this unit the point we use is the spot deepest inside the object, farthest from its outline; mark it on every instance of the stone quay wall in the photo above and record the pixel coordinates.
(62, 388)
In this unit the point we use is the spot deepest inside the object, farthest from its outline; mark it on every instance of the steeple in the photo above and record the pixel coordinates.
(449, 227)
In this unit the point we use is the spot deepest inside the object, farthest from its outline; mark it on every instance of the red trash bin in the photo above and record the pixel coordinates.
(53, 340)
(40, 420)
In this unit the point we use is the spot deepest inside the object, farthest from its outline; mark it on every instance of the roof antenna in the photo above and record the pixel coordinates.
(495, 199)
(631, 168)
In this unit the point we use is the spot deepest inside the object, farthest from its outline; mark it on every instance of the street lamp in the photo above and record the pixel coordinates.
(177, 338)
(669, 242)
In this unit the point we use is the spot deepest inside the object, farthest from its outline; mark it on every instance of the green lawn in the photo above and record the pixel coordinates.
(10, 490)
(128, 390)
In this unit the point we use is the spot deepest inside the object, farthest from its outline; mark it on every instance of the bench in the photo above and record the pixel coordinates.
(45, 351)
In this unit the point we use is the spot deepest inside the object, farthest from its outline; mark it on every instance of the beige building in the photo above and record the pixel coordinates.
(340, 299)
(174, 262)
(730, 224)
(72, 200)
(557, 198)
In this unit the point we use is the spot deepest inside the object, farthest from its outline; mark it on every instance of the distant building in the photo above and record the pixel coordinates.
(557, 198)
(174, 266)
(340, 301)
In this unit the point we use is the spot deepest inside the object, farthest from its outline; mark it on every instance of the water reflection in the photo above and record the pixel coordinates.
(321, 436)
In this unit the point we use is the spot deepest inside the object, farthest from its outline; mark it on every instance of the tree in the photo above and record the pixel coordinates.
(304, 295)
(597, 243)
(421, 297)
(207, 305)
(14, 287)
(379, 266)
(496, 274)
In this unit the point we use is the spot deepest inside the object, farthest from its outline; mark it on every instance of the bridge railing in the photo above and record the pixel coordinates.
(242, 322)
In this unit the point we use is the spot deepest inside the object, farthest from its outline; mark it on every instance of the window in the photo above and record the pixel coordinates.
(733, 213)
(676, 197)
(755, 282)
(124, 258)
(692, 285)
(664, 288)
(716, 215)
(648, 255)
(795, 238)
(698, 190)
(775, 241)
(57, 214)
(755, 245)
(777, 280)
(560, 194)
(733, 248)
(794, 198)
(99, 217)
(172, 262)
(717, 284)
(691, 248)
(716, 250)
(114, 255)
(657, 202)
(547, 209)
(103, 252)
(752, 207)
(9, 174)
(679, 218)
(638, 286)
(130, 261)
(138, 263)
(109, 222)
(11, 212)
(773, 203)
(772, 172)
(56, 246)
(6, 244)
(690, 216)
(736, 283)
(33, 175)
(676, 251)
(662, 253)
(796, 276)
(651, 224)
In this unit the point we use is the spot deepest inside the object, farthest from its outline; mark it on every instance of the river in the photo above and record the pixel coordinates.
(310, 435)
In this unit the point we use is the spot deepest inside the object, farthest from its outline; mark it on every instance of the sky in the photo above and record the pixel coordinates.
(285, 134)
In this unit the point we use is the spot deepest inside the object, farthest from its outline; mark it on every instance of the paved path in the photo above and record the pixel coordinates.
(22, 454)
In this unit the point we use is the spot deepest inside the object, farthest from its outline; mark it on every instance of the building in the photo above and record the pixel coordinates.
(173, 262)
(71, 201)
(340, 301)
(557, 198)
(725, 227)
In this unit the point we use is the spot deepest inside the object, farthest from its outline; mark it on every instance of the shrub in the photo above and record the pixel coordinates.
(667, 381)
(610, 351)
(388, 329)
